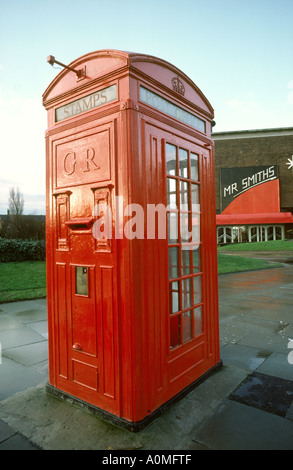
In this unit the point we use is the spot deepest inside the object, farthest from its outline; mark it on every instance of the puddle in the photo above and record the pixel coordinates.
(263, 354)
(256, 360)
(285, 261)
(281, 327)
(271, 394)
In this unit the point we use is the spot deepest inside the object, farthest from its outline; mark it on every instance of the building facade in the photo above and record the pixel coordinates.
(254, 185)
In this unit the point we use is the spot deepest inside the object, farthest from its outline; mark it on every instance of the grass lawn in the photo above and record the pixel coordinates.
(276, 245)
(27, 280)
(19, 281)
(231, 264)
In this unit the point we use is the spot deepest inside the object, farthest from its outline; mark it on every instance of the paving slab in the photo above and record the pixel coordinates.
(40, 327)
(244, 357)
(7, 322)
(234, 329)
(256, 326)
(15, 377)
(277, 365)
(16, 337)
(29, 354)
(50, 423)
(236, 426)
(24, 305)
(289, 414)
(266, 339)
(17, 442)
(5, 431)
(27, 316)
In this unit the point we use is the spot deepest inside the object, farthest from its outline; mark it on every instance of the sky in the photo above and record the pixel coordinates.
(239, 53)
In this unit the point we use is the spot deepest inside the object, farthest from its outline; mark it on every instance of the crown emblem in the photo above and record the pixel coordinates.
(178, 85)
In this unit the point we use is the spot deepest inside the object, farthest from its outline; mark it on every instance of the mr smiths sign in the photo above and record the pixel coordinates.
(235, 181)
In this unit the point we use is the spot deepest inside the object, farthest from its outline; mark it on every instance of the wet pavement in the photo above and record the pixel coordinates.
(245, 405)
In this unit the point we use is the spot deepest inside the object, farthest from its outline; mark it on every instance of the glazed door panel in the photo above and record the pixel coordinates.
(181, 166)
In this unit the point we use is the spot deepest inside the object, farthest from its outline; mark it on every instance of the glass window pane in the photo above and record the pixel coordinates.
(194, 166)
(197, 297)
(197, 320)
(185, 231)
(174, 331)
(173, 262)
(172, 227)
(195, 197)
(183, 221)
(174, 297)
(195, 228)
(196, 259)
(278, 231)
(186, 293)
(186, 326)
(81, 280)
(171, 193)
(171, 160)
(184, 199)
(185, 262)
(183, 163)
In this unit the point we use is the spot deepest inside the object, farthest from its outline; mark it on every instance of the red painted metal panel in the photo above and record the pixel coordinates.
(83, 311)
(125, 347)
(85, 374)
(62, 320)
(108, 329)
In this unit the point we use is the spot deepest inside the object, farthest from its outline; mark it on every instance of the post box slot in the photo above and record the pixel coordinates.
(80, 224)
(79, 227)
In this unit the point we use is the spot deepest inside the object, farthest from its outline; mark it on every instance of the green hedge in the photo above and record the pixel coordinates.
(22, 250)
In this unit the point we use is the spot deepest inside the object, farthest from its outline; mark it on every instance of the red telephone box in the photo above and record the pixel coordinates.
(131, 235)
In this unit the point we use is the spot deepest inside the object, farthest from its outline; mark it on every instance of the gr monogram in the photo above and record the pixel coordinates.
(82, 161)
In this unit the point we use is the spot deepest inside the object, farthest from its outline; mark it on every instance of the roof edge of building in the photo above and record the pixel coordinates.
(253, 133)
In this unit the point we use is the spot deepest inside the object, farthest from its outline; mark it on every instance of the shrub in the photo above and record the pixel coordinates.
(22, 250)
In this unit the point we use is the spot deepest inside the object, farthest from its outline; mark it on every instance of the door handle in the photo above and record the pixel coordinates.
(77, 347)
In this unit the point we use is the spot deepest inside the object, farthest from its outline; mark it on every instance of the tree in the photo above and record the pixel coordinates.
(20, 226)
(14, 213)
(15, 202)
